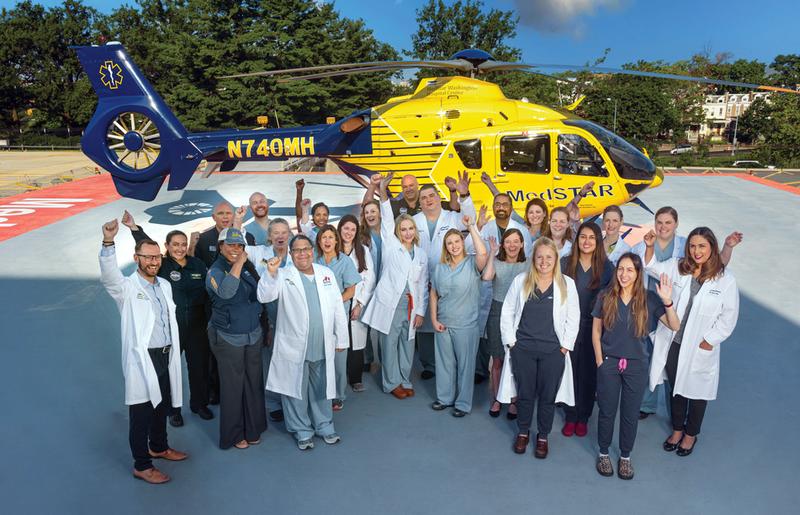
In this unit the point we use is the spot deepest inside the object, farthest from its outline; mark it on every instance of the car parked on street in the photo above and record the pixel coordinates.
(683, 148)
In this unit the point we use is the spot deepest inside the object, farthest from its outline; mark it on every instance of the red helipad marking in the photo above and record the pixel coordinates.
(26, 211)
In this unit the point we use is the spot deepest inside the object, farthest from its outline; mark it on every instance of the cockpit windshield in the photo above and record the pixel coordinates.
(628, 160)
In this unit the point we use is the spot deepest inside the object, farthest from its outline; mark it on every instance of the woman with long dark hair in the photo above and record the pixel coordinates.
(359, 332)
(588, 266)
(501, 270)
(623, 316)
(707, 301)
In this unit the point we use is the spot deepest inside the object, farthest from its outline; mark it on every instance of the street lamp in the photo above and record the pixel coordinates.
(735, 128)
(615, 112)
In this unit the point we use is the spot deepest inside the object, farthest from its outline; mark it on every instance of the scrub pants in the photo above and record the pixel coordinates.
(650, 400)
(313, 414)
(427, 354)
(455, 366)
(397, 351)
(584, 376)
(623, 390)
(147, 426)
(192, 324)
(241, 405)
(340, 368)
(273, 400)
(687, 414)
(538, 375)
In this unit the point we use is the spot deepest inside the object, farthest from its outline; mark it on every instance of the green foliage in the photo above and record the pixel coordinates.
(782, 138)
(787, 71)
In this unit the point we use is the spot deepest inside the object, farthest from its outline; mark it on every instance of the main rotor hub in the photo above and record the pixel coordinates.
(475, 56)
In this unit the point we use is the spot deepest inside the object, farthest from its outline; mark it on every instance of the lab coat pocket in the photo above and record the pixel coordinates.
(704, 361)
(290, 349)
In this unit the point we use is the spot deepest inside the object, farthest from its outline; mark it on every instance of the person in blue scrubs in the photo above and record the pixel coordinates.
(455, 300)
(329, 253)
(591, 270)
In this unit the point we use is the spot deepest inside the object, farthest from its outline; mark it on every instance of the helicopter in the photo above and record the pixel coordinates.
(447, 126)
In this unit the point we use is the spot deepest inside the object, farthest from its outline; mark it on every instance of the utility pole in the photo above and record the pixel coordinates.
(614, 129)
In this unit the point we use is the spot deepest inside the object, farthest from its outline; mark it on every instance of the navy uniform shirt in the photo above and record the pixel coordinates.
(586, 296)
(536, 331)
(620, 341)
(206, 249)
(188, 282)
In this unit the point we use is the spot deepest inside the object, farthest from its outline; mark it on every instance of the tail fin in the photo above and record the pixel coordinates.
(133, 134)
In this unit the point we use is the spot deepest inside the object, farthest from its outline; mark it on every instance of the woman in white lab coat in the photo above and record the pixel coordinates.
(398, 304)
(539, 322)
(362, 260)
(311, 327)
(707, 302)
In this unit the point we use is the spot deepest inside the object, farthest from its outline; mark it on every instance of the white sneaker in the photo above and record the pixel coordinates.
(332, 438)
(305, 445)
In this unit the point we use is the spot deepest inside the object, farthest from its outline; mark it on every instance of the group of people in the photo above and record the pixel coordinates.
(553, 311)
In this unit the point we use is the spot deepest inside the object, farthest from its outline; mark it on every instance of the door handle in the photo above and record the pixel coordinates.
(556, 177)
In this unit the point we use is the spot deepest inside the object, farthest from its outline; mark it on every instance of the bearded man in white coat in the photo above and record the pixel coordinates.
(150, 351)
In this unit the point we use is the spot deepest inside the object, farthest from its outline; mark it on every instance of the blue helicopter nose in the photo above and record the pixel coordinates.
(473, 54)
(133, 141)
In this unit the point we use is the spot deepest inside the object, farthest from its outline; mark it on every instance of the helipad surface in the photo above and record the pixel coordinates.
(64, 424)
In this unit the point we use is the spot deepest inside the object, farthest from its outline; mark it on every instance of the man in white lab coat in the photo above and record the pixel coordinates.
(150, 351)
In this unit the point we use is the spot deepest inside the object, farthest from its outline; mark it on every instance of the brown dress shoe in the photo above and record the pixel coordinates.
(409, 392)
(170, 455)
(521, 443)
(399, 393)
(151, 475)
(541, 449)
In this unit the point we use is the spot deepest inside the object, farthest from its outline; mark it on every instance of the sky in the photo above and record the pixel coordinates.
(577, 31)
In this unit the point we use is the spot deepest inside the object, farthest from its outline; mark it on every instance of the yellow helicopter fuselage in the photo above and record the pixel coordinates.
(456, 124)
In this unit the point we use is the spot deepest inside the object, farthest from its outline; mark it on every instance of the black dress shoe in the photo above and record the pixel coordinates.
(204, 413)
(479, 379)
(427, 374)
(439, 406)
(643, 415)
(668, 446)
(685, 452)
(176, 420)
(276, 416)
(213, 399)
(458, 413)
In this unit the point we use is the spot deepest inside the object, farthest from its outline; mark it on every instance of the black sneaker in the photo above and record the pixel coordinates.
(176, 420)
(427, 374)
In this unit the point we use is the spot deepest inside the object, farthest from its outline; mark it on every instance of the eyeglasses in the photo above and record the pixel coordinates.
(148, 257)
(302, 250)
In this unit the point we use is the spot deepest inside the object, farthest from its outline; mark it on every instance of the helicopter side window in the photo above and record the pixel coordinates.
(469, 151)
(576, 156)
(528, 154)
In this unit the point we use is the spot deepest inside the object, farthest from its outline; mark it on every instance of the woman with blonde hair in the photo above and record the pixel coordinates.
(455, 302)
(398, 304)
(624, 314)
(539, 323)
(559, 230)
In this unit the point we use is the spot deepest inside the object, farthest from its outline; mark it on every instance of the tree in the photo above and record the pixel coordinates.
(787, 71)
(755, 123)
(782, 138)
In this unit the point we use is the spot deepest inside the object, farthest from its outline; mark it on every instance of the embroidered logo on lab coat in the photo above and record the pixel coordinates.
(141, 296)
(326, 281)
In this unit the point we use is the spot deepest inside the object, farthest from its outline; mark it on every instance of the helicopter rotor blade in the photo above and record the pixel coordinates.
(456, 64)
(350, 71)
(499, 66)
(657, 75)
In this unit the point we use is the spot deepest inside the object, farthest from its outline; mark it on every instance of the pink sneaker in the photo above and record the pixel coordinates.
(568, 429)
(581, 429)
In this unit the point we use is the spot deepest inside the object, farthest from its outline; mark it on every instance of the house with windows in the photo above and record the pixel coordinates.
(720, 111)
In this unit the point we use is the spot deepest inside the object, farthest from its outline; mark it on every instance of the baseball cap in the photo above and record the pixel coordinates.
(231, 236)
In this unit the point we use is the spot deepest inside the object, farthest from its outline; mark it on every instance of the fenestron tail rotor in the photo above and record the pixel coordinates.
(134, 140)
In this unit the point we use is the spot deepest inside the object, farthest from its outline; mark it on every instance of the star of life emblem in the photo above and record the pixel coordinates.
(111, 74)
